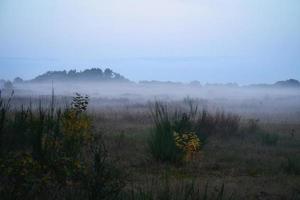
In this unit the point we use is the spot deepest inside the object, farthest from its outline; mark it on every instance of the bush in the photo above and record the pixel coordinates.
(76, 129)
(187, 142)
(45, 151)
(201, 125)
(161, 142)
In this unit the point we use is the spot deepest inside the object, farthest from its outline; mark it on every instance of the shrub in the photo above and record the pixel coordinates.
(161, 142)
(76, 129)
(198, 125)
(45, 153)
(188, 142)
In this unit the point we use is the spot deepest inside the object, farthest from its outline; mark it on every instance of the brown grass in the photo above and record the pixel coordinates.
(248, 168)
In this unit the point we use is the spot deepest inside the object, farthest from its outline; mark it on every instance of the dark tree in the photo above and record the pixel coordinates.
(108, 73)
(93, 74)
(72, 73)
(18, 80)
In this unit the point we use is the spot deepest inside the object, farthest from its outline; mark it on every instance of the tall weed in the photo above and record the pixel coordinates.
(161, 142)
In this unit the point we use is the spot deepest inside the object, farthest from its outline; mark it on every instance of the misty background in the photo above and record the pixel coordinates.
(212, 41)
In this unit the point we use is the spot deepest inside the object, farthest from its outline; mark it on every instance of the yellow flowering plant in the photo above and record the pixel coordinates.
(187, 142)
(76, 125)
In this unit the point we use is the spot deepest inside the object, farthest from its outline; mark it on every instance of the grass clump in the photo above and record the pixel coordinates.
(178, 135)
(161, 142)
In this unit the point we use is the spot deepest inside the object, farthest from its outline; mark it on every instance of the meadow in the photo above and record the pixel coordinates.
(57, 147)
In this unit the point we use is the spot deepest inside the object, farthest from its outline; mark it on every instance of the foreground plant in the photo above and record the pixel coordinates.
(189, 143)
(192, 129)
(161, 142)
(76, 125)
(173, 139)
(46, 152)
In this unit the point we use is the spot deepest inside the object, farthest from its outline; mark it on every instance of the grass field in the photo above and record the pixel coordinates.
(240, 157)
(247, 164)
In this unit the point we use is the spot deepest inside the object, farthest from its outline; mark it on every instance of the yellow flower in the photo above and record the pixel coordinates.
(188, 142)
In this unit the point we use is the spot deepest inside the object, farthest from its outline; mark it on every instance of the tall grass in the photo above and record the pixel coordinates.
(161, 142)
(265, 137)
(166, 123)
(45, 150)
(4, 108)
(224, 125)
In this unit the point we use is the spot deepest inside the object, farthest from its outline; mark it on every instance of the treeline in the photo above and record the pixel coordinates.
(94, 74)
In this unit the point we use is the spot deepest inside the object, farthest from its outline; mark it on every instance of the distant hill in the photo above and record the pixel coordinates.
(108, 75)
(94, 74)
(288, 83)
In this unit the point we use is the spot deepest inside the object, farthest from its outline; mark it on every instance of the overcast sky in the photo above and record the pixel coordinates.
(243, 41)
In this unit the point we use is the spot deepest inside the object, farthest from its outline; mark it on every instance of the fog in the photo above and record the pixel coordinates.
(264, 103)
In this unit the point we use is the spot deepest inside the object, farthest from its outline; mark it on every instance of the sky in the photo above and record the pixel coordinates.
(215, 41)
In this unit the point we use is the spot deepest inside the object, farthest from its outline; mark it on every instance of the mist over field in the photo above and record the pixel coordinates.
(273, 102)
(149, 100)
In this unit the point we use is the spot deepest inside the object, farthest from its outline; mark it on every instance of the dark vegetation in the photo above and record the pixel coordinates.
(203, 124)
(94, 74)
(52, 153)
(69, 152)
(108, 75)
(288, 83)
